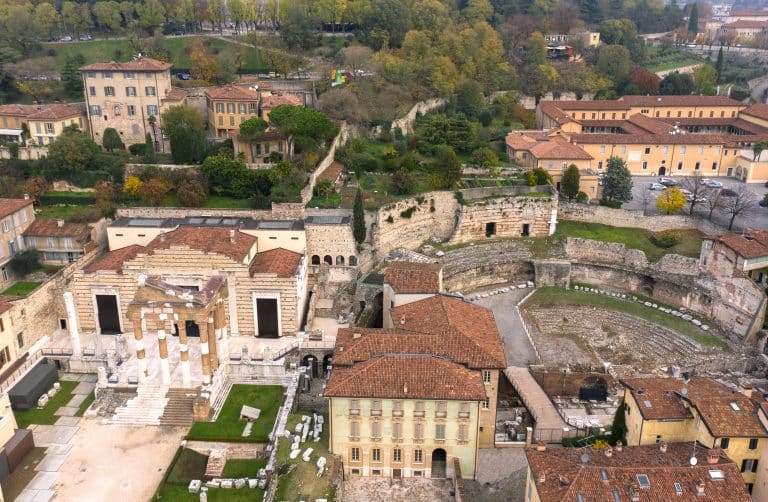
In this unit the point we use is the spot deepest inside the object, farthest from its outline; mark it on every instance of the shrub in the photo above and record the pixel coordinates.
(132, 186)
(191, 193)
(390, 219)
(25, 262)
(664, 240)
(85, 215)
(153, 192)
(613, 204)
(581, 197)
(137, 149)
(408, 212)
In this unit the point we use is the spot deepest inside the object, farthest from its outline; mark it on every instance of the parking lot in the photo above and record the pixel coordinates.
(755, 219)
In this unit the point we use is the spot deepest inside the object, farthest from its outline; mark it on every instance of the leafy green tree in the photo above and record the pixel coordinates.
(438, 129)
(151, 14)
(184, 126)
(448, 168)
(619, 426)
(617, 184)
(358, 217)
(757, 149)
(46, 17)
(670, 201)
(299, 28)
(477, 10)
(615, 62)
(676, 84)
(403, 182)
(569, 185)
(591, 11)
(191, 193)
(111, 140)
(693, 22)
(385, 23)
(107, 15)
(25, 262)
(720, 64)
(73, 150)
(484, 157)
(149, 149)
(70, 74)
(705, 79)
(253, 129)
(469, 99)
(299, 121)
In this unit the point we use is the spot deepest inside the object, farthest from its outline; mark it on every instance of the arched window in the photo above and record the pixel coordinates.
(339, 260)
(353, 261)
(117, 110)
(328, 259)
(315, 259)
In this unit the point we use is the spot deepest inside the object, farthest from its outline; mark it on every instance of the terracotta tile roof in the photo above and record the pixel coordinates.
(58, 112)
(273, 100)
(206, 239)
(588, 104)
(759, 110)
(685, 100)
(558, 149)
(232, 92)
(725, 412)
(555, 112)
(566, 476)
(176, 94)
(10, 206)
(408, 277)
(18, 110)
(447, 316)
(418, 376)
(649, 124)
(747, 24)
(136, 64)
(47, 227)
(656, 139)
(748, 13)
(751, 244)
(278, 261)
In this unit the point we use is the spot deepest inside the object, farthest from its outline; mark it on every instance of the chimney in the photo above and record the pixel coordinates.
(713, 456)
(402, 319)
(60, 223)
(608, 451)
(162, 237)
(663, 446)
(541, 477)
(540, 446)
(746, 388)
(26, 196)
(700, 488)
(232, 236)
(619, 445)
(355, 336)
(634, 494)
(405, 388)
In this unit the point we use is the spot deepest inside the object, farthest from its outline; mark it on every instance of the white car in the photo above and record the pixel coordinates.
(685, 192)
(656, 186)
(712, 184)
(668, 182)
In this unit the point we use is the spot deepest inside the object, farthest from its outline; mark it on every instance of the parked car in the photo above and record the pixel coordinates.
(712, 183)
(727, 192)
(686, 192)
(763, 202)
(183, 76)
(699, 200)
(66, 38)
(85, 38)
(656, 186)
(667, 182)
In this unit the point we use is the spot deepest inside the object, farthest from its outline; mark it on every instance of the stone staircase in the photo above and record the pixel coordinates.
(178, 411)
(216, 462)
(144, 409)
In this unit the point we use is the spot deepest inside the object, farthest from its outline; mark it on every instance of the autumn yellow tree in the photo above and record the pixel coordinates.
(204, 65)
(132, 186)
(671, 201)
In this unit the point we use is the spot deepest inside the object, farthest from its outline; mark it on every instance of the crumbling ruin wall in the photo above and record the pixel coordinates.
(632, 219)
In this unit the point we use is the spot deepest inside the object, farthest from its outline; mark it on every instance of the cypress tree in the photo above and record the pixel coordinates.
(719, 64)
(149, 149)
(693, 22)
(358, 216)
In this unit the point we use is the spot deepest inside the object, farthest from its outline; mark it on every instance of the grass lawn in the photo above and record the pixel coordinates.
(96, 51)
(659, 60)
(189, 465)
(21, 288)
(300, 482)
(560, 296)
(229, 427)
(45, 415)
(213, 201)
(332, 201)
(59, 212)
(689, 241)
(89, 399)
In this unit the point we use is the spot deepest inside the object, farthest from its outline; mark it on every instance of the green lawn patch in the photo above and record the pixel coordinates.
(89, 399)
(332, 201)
(45, 415)
(178, 493)
(229, 427)
(561, 296)
(21, 288)
(688, 241)
(298, 479)
(188, 465)
(243, 468)
(59, 212)
(669, 59)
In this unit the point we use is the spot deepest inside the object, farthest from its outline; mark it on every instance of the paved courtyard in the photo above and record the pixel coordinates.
(376, 489)
(517, 347)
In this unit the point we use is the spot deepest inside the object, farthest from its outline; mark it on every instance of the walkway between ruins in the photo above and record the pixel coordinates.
(549, 423)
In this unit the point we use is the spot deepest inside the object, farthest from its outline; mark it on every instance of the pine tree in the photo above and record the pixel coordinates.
(149, 149)
(719, 64)
(617, 184)
(693, 22)
(358, 216)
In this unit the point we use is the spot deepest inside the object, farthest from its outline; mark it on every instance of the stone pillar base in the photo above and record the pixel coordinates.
(201, 409)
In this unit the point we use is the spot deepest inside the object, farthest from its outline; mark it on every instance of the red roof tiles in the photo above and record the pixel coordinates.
(140, 63)
(232, 92)
(750, 244)
(47, 227)
(278, 261)
(58, 112)
(759, 110)
(10, 206)
(410, 278)
(274, 100)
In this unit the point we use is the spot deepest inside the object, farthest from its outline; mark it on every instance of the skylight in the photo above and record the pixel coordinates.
(616, 496)
(735, 406)
(604, 475)
(643, 481)
(579, 497)
(678, 489)
(647, 404)
(716, 474)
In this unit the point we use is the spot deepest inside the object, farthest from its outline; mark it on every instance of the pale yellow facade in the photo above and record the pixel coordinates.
(760, 488)
(364, 434)
(7, 420)
(742, 450)
(12, 228)
(226, 115)
(11, 342)
(750, 170)
(43, 132)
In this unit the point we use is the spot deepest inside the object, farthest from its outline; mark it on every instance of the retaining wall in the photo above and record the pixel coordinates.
(632, 219)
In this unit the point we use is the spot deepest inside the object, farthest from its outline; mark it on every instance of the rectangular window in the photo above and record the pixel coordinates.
(109, 90)
(354, 429)
(231, 120)
(92, 90)
(647, 150)
(397, 431)
(355, 456)
(2, 327)
(375, 408)
(252, 108)
(149, 90)
(67, 243)
(24, 215)
(623, 149)
(418, 456)
(440, 431)
(462, 432)
(397, 408)
(241, 108)
(724, 443)
(376, 429)
(418, 409)
(117, 111)
(152, 110)
(680, 166)
(701, 149)
(441, 408)
(697, 166)
(418, 430)
(487, 376)
(682, 149)
(665, 149)
(221, 121)
(230, 108)
(50, 242)
(20, 339)
(486, 403)
(376, 455)
(131, 110)
(129, 75)
(219, 107)
(106, 74)
(90, 74)
(6, 225)
(38, 128)
(602, 148)
(464, 410)
(645, 165)
(130, 91)
(714, 166)
(354, 407)
(148, 74)
(749, 465)
(599, 165)
(397, 455)
(48, 128)
(95, 110)
(5, 357)
(753, 443)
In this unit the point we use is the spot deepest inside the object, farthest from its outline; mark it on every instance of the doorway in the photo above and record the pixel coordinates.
(662, 171)
(63, 324)
(266, 313)
(397, 473)
(108, 315)
(490, 229)
(729, 172)
(526, 230)
(438, 463)
(191, 328)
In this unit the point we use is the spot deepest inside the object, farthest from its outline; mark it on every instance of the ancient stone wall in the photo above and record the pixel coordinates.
(405, 123)
(632, 219)
(505, 216)
(604, 252)
(472, 267)
(677, 264)
(339, 140)
(181, 212)
(330, 240)
(552, 273)
(560, 383)
(484, 275)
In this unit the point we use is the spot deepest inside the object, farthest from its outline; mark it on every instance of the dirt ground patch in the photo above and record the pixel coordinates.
(23, 474)
(373, 489)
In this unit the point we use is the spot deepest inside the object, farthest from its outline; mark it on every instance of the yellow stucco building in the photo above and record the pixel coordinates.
(40, 124)
(702, 410)
(409, 400)
(228, 107)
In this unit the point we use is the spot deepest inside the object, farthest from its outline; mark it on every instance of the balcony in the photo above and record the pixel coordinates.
(397, 413)
(375, 413)
(419, 414)
(440, 414)
(354, 412)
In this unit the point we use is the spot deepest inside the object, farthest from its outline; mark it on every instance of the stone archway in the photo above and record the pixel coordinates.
(439, 462)
(662, 170)
(315, 259)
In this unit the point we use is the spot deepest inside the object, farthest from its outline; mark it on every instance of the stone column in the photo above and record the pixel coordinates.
(162, 345)
(204, 352)
(74, 331)
(186, 374)
(141, 354)
(232, 299)
(221, 325)
(212, 342)
(553, 222)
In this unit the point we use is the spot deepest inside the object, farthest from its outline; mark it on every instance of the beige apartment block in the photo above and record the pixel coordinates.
(229, 106)
(15, 216)
(40, 124)
(125, 95)
(59, 242)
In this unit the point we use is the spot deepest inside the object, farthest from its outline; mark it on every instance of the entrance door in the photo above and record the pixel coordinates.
(526, 230)
(438, 463)
(109, 318)
(729, 172)
(490, 229)
(266, 313)
(396, 473)
(662, 171)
